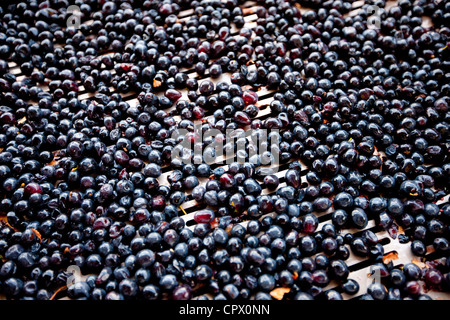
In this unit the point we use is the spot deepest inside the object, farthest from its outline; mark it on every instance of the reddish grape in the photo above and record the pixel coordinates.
(173, 94)
(242, 118)
(204, 216)
(32, 187)
(250, 97)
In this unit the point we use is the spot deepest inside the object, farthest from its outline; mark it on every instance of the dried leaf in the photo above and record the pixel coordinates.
(22, 120)
(421, 96)
(390, 257)
(228, 229)
(38, 234)
(419, 263)
(156, 83)
(57, 291)
(295, 276)
(4, 219)
(215, 223)
(278, 293)
(246, 11)
(376, 152)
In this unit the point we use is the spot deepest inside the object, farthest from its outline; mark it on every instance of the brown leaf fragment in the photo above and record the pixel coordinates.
(390, 257)
(38, 234)
(4, 219)
(22, 120)
(278, 293)
(57, 291)
(228, 229)
(418, 263)
(376, 152)
(215, 223)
